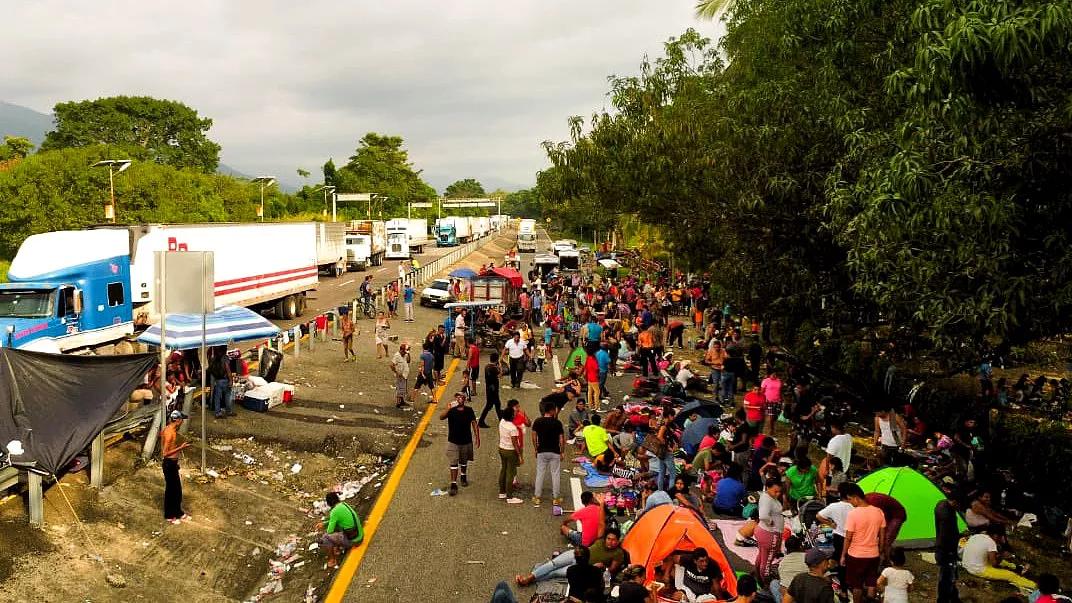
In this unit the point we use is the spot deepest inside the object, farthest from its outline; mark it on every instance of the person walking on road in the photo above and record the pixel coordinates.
(548, 440)
(491, 390)
(346, 323)
(407, 300)
(383, 325)
(510, 456)
(171, 447)
(459, 335)
(400, 367)
(462, 435)
(440, 347)
(517, 352)
(425, 362)
(472, 368)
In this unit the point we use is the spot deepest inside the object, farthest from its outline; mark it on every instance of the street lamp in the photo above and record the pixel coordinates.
(328, 189)
(115, 166)
(264, 181)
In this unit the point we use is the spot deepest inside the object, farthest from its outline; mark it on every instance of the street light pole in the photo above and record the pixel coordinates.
(115, 166)
(264, 181)
(328, 189)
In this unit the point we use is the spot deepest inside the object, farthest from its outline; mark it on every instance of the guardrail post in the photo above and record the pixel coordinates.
(312, 335)
(96, 461)
(37, 506)
(297, 341)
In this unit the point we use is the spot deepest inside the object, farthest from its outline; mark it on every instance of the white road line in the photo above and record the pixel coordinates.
(575, 491)
(380, 270)
(558, 369)
(347, 283)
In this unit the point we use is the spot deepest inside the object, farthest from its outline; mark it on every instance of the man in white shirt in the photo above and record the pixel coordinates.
(459, 347)
(981, 559)
(835, 515)
(840, 444)
(517, 352)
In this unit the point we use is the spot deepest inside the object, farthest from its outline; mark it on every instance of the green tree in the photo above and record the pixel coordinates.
(15, 147)
(57, 190)
(381, 165)
(171, 132)
(465, 189)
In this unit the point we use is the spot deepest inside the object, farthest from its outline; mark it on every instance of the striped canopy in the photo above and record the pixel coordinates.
(226, 325)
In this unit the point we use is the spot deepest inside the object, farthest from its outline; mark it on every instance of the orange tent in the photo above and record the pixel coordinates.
(666, 528)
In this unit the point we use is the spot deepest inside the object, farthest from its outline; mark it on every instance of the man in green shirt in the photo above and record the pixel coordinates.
(343, 530)
(597, 443)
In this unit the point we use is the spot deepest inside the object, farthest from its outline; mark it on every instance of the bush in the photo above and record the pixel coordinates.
(1039, 451)
(4, 265)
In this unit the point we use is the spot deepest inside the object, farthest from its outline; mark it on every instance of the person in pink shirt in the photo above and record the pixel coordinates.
(772, 393)
(865, 537)
(590, 520)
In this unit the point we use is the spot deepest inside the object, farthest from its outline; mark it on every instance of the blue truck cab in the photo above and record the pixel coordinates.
(446, 235)
(67, 290)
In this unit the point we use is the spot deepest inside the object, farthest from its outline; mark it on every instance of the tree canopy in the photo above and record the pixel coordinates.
(381, 164)
(465, 189)
(56, 190)
(172, 133)
(898, 158)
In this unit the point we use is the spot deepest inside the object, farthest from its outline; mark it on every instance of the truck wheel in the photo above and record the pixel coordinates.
(302, 304)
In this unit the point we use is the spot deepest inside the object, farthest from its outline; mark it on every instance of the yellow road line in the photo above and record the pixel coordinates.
(352, 562)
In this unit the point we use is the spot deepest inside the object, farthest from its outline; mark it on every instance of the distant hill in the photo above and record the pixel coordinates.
(16, 120)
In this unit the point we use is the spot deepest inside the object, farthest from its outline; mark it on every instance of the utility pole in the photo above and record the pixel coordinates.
(115, 166)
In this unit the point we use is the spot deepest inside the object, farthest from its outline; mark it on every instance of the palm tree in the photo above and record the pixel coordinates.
(711, 9)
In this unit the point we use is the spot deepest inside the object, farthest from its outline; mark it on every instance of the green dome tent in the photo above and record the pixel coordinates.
(918, 495)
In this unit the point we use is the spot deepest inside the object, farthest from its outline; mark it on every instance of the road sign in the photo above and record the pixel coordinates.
(354, 197)
(423, 204)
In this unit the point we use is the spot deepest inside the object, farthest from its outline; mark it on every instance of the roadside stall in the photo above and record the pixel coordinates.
(486, 322)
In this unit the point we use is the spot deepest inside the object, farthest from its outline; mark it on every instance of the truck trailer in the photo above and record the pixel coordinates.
(526, 236)
(331, 248)
(76, 290)
(454, 230)
(366, 244)
(406, 237)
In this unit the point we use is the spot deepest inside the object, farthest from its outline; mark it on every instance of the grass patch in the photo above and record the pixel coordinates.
(4, 265)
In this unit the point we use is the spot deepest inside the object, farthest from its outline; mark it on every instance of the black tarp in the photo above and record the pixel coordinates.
(56, 404)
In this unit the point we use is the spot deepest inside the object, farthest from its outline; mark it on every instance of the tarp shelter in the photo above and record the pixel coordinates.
(690, 439)
(56, 404)
(226, 325)
(510, 274)
(918, 495)
(662, 530)
(704, 409)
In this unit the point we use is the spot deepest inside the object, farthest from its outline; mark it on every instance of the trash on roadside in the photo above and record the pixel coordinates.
(439, 492)
(295, 468)
(314, 546)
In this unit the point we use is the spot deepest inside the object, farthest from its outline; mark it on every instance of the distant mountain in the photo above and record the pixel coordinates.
(16, 120)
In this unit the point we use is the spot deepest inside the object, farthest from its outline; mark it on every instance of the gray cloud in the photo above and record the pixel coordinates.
(472, 85)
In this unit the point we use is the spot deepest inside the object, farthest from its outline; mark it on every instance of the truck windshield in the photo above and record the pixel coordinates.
(25, 304)
(526, 236)
(356, 240)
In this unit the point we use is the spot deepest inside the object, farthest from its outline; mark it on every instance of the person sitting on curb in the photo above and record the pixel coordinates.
(343, 530)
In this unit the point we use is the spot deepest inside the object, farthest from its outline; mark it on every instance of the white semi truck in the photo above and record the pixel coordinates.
(331, 248)
(526, 236)
(406, 237)
(366, 244)
(76, 290)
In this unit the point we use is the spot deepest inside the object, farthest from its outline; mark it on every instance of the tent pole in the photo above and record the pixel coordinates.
(96, 462)
(37, 506)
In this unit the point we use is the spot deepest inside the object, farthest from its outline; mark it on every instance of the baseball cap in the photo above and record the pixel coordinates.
(178, 414)
(815, 556)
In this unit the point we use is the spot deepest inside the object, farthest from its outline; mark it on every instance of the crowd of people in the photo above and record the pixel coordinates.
(779, 456)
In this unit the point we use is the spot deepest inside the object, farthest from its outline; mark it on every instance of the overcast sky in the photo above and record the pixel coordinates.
(473, 86)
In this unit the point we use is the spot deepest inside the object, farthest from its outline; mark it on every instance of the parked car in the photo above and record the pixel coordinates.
(437, 294)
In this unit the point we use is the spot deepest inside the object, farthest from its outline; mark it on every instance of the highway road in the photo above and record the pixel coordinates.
(334, 292)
